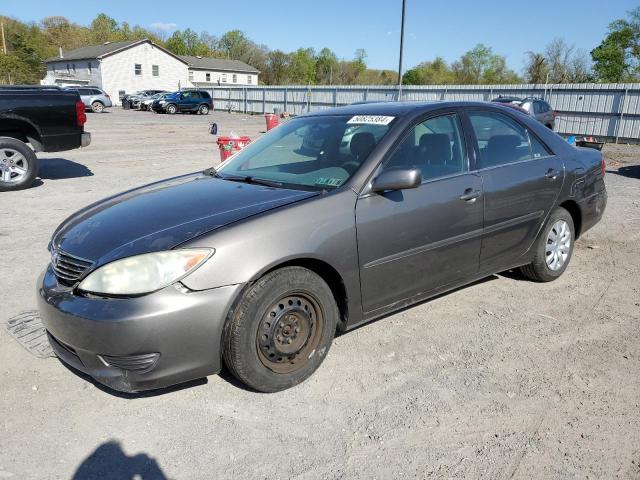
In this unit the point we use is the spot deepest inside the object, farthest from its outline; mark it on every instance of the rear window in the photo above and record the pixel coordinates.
(205, 95)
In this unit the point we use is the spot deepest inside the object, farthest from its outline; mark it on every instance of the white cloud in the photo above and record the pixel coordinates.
(389, 32)
(165, 27)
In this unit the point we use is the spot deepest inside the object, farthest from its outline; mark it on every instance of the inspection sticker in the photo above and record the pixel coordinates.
(371, 119)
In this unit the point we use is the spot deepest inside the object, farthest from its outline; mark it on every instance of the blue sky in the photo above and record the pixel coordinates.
(433, 27)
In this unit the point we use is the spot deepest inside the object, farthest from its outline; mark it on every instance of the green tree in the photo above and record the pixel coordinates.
(326, 65)
(103, 28)
(481, 66)
(435, 72)
(302, 66)
(617, 58)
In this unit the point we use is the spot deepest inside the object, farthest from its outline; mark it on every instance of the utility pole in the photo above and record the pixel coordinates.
(4, 44)
(401, 47)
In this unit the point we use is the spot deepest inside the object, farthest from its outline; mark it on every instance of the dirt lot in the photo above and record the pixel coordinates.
(502, 379)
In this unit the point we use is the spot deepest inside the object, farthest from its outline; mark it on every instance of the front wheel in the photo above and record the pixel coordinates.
(171, 109)
(553, 249)
(97, 107)
(18, 165)
(203, 110)
(281, 330)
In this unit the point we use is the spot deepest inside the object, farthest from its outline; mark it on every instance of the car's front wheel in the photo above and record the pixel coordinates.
(97, 107)
(171, 109)
(553, 249)
(281, 329)
(18, 164)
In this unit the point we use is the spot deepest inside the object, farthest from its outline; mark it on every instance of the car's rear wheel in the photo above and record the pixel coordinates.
(281, 329)
(203, 110)
(553, 249)
(18, 164)
(171, 109)
(97, 107)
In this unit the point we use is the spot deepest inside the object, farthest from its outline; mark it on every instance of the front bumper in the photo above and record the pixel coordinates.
(110, 339)
(85, 139)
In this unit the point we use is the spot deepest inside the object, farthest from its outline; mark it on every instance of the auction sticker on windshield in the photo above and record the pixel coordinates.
(371, 119)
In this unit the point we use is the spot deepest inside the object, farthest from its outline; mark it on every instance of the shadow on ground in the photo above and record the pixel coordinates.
(61, 168)
(631, 171)
(109, 461)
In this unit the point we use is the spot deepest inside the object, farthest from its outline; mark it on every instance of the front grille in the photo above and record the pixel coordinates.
(68, 268)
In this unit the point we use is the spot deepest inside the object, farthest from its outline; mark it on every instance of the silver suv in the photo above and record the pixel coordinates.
(536, 107)
(94, 98)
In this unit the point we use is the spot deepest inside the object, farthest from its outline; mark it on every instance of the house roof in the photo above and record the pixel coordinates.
(105, 49)
(221, 64)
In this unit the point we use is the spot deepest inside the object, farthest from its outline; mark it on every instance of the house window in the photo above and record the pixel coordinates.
(208, 77)
(73, 65)
(68, 68)
(191, 75)
(249, 79)
(234, 78)
(155, 70)
(54, 69)
(89, 68)
(224, 78)
(138, 69)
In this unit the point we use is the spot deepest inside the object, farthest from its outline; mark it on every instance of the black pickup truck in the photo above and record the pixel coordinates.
(48, 119)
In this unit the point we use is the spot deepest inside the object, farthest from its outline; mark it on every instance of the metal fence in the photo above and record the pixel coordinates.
(608, 111)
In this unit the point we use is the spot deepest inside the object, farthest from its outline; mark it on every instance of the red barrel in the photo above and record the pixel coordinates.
(228, 146)
(272, 120)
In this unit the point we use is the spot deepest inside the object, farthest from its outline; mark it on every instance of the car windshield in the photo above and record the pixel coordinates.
(316, 153)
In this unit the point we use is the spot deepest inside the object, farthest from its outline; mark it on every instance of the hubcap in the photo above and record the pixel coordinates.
(558, 245)
(13, 166)
(289, 333)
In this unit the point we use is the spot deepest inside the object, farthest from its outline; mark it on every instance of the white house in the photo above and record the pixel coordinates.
(142, 65)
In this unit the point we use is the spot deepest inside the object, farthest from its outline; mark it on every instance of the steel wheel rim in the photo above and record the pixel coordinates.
(14, 167)
(290, 332)
(558, 245)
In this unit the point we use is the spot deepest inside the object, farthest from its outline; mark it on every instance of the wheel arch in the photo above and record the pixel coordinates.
(21, 130)
(573, 208)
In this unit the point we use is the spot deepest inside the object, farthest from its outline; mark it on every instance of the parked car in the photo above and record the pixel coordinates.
(259, 262)
(94, 98)
(536, 107)
(137, 100)
(145, 104)
(193, 101)
(36, 119)
(134, 98)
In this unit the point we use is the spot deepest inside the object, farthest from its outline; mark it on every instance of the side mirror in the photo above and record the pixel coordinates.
(400, 179)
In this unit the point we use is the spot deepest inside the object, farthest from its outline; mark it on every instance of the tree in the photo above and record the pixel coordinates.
(537, 68)
(617, 58)
(435, 72)
(326, 65)
(103, 28)
(560, 63)
(302, 66)
(481, 66)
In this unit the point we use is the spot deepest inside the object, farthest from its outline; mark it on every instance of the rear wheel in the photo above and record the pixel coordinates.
(203, 110)
(553, 248)
(97, 107)
(281, 330)
(171, 109)
(18, 164)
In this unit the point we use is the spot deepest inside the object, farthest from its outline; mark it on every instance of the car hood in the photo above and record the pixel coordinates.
(163, 215)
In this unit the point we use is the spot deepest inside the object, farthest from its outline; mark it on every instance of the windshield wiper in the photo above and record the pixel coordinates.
(248, 179)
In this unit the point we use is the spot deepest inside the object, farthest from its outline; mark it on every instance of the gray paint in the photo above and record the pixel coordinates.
(390, 250)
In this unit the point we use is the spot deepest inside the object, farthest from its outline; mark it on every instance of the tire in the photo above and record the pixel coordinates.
(97, 107)
(542, 268)
(171, 109)
(203, 110)
(273, 355)
(15, 154)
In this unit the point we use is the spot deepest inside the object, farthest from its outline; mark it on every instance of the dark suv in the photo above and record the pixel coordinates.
(184, 101)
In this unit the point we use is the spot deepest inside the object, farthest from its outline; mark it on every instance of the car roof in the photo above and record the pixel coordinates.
(397, 109)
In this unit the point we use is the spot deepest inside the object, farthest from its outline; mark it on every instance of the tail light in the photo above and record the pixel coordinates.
(81, 116)
(603, 166)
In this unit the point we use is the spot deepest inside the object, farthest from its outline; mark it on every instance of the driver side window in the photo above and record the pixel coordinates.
(434, 146)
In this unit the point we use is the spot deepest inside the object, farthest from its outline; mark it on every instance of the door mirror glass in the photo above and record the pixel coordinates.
(397, 179)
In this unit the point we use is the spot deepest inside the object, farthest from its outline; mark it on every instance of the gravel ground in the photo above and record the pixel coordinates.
(502, 379)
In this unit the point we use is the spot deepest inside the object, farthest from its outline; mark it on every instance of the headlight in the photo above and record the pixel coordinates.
(145, 273)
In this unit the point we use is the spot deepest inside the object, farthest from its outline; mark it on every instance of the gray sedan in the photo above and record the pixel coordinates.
(258, 263)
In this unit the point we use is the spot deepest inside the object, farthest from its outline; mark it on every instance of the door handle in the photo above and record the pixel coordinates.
(551, 174)
(470, 195)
